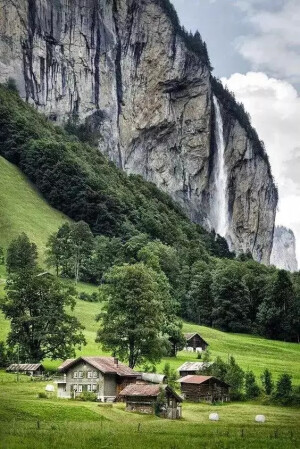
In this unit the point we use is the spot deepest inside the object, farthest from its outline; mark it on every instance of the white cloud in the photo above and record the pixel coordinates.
(275, 45)
(274, 106)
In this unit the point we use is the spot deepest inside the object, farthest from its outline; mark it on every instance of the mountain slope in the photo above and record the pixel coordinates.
(78, 180)
(22, 209)
(127, 70)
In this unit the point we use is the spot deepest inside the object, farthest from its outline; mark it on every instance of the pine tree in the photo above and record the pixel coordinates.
(267, 382)
(251, 388)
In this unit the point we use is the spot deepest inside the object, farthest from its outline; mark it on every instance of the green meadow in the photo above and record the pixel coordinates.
(27, 421)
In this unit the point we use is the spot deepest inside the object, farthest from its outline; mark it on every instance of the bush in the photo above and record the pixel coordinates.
(94, 297)
(11, 85)
(42, 395)
(87, 396)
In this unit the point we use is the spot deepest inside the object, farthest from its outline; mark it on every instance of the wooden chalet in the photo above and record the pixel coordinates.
(31, 369)
(204, 388)
(104, 376)
(142, 398)
(194, 340)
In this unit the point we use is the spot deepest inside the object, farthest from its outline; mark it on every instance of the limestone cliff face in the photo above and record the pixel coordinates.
(120, 65)
(284, 249)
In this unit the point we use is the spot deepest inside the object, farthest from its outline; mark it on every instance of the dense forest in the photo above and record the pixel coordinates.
(124, 220)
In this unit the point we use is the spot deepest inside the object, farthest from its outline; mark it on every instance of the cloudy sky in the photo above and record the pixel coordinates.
(254, 47)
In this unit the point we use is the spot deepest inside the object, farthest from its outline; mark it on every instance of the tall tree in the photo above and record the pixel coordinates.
(251, 388)
(134, 313)
(21, 254)
(275, 314)
(58, 253)
(231, 299)
(81, 239)
(235, 378)
(199, 301)
(267, 382)
(36, 305)
(70, 247)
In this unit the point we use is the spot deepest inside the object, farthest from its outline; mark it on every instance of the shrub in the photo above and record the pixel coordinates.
(87, 396)
(93, 297)
(42, 395)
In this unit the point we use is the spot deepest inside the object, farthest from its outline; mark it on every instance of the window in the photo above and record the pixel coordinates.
(89, 388)
(80, 374)
(94, 387)
(79, 388)
(95, 374)
(89, 374)
(75, 374)
(75, 387)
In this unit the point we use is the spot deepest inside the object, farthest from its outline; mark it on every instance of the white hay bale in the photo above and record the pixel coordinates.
(190, 349)
(214, 417)
(199, 350)
(260, 418)
(49, 388)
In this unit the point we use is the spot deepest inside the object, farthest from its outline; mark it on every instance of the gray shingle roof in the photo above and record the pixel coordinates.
(106, 365)
(25, 367)
(194, 366)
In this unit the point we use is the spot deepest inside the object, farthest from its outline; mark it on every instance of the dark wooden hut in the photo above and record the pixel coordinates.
(142, 398)
(194, 340)
(204, 388)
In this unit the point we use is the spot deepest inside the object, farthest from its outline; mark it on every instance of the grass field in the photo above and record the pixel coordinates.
(251, 352)
(22, 209)
(29, 422)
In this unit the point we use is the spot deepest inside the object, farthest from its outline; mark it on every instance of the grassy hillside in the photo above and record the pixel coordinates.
(22, 209)
(251, 352)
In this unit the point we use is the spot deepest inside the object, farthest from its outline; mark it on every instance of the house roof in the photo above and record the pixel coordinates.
(107, 365)
(199, 380)
(141, 390)
(25, 367)
(194, 366)
(154, 378)
(190, 335)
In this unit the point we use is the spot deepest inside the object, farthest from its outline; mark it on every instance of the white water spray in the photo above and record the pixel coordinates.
(219, 209)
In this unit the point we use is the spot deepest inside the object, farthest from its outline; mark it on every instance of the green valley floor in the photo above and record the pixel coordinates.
(27, 422)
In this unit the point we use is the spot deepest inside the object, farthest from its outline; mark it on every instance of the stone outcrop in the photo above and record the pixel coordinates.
(284, 249)
(121, 66)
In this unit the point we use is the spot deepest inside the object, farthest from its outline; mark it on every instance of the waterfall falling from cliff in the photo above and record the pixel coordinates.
(220, 202)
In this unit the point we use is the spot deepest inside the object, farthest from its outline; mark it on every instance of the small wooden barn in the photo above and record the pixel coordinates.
(190, 368)
(143, 399)
(31, 369)
(204, 389)
(194, 340)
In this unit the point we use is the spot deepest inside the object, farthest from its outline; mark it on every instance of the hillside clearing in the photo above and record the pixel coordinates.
(22, 209)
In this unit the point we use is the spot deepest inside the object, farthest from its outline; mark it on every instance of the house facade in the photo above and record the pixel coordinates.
(204, 389)
(195, 341)
(142, 399)
(104, 376)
